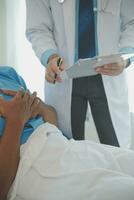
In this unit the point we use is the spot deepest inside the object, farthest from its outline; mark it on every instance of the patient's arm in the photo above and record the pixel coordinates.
(39, 108)
(9, 155)
(47, 112)
(16, 112)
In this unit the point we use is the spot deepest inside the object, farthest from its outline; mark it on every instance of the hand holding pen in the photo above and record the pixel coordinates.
(55, 65)
(59, 62)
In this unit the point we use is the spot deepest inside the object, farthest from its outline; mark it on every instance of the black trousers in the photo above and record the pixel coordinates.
(91, 89)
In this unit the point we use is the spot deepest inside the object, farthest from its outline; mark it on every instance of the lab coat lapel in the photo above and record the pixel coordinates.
(69, 24)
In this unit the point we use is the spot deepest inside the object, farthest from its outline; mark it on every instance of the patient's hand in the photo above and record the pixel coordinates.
(19, 108)
(47, 112)
(16, 111)
(38, 107)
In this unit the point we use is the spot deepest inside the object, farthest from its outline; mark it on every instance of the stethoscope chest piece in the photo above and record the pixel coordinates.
(60, 1)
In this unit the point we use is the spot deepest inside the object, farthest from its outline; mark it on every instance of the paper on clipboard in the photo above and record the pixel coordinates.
(86, 67)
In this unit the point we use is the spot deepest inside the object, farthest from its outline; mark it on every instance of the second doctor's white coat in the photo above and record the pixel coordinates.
(51, 26)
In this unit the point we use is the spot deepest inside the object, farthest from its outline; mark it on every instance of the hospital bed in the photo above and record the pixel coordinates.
(54, 168)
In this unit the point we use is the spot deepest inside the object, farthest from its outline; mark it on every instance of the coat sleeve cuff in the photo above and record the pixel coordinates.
(128, 50)
(45, 56)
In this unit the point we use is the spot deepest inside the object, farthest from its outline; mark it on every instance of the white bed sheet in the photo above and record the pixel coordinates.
(54, 168)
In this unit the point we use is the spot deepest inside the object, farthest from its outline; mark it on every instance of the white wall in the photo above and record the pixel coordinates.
(15, 50)
(27, 63)
(2, 32)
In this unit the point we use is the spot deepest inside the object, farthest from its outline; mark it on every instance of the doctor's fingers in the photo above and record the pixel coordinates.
(49, 77)
(51, 73)
(52, 78)
(110, 69)
(114, 69)
(111, 66)
(110, 72)
(53, 69)
(63, 65)
(114, 66)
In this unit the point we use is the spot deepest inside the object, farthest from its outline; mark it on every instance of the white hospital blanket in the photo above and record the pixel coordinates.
(54, 168)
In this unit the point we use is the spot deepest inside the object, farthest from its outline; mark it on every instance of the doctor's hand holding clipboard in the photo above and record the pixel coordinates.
(55, 65)
(110, 65)
(112, 69)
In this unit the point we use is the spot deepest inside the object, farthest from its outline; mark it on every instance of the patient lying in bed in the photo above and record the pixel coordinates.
(48, 166)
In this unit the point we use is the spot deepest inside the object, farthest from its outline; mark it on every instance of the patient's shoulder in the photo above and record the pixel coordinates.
(11, 73)
(8, 71)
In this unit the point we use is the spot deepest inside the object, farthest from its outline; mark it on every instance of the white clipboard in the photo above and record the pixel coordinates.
(86, 67)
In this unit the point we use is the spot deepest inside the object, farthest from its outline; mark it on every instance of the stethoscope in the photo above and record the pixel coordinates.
(61, 1)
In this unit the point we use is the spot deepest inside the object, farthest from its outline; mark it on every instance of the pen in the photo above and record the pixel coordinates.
(59, 62)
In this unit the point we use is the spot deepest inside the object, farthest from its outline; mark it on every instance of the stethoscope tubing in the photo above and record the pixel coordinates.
(61, 1)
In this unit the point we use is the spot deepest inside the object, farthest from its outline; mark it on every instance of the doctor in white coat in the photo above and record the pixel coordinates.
(51, 28)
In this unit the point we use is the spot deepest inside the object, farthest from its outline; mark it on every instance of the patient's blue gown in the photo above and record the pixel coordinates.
(9, 79)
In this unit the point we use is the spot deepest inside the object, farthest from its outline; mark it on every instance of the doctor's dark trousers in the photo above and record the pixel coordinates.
(89, 89)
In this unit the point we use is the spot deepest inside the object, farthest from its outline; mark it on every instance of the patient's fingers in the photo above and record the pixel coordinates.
(26, 96)
(29, 98)
(1, 102)
(1, 99)
(8, 92)
(35, 107)
(12, 92)
(19, 94)
(32, 98)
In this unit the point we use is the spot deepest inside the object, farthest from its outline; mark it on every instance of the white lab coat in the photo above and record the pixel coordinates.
(51, 25)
